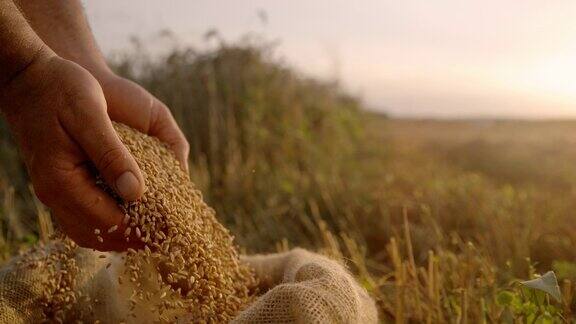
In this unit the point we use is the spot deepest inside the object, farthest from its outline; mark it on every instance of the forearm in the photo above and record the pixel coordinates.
(63, 26)
(19, 45)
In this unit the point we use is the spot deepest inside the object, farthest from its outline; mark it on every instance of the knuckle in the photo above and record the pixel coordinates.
(91, 202)
(183, 146)
(109, 158)
(83, 103)
(162, 108)
(161, 114)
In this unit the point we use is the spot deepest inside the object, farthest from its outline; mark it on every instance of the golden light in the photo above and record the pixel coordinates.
(554, 76)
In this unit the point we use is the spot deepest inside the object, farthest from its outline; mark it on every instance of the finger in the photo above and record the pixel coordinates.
(164, 126)
(81, 207)
(134, 106)
(89, 125)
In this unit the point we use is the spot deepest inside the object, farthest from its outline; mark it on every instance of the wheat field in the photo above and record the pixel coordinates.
(438, 220)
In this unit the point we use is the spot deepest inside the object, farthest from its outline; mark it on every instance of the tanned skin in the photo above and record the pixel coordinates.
(59, 97)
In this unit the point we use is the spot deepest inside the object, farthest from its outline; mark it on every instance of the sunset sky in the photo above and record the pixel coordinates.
(441, 58)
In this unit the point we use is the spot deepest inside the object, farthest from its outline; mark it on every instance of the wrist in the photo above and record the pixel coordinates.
(24, 73)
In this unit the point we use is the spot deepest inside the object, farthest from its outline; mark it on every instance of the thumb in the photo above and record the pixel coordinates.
(92, 129)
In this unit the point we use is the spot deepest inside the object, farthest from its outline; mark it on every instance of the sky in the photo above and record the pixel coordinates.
(409, 58)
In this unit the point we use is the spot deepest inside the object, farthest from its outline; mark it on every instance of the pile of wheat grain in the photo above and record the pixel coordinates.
(197, 265)
(58, 270)
(186, 252)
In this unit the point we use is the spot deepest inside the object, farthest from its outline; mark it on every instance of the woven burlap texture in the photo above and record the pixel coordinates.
(298, 287)
(306, 288)
(22, 285)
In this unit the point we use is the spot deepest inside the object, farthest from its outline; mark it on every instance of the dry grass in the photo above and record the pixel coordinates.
(436, 219)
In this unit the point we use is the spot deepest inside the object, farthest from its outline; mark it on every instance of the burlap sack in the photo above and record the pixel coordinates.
(300, 287)
(306, 288)
(22, 289)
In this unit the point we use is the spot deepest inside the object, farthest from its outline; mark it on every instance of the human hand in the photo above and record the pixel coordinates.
(132, 105)
(57, 112)
(63, 27)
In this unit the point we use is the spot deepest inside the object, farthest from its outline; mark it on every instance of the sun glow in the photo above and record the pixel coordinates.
(554, 76)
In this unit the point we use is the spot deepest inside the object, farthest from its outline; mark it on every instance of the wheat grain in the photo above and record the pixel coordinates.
(192, 251)
(197, 268)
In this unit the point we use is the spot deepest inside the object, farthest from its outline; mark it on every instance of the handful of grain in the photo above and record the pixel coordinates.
(188, 264)
(193, 255)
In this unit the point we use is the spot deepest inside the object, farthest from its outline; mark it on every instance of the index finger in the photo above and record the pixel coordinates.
(164, 126)
(89, 215)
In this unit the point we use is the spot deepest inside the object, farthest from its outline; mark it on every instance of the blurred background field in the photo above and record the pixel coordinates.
(437, 219)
